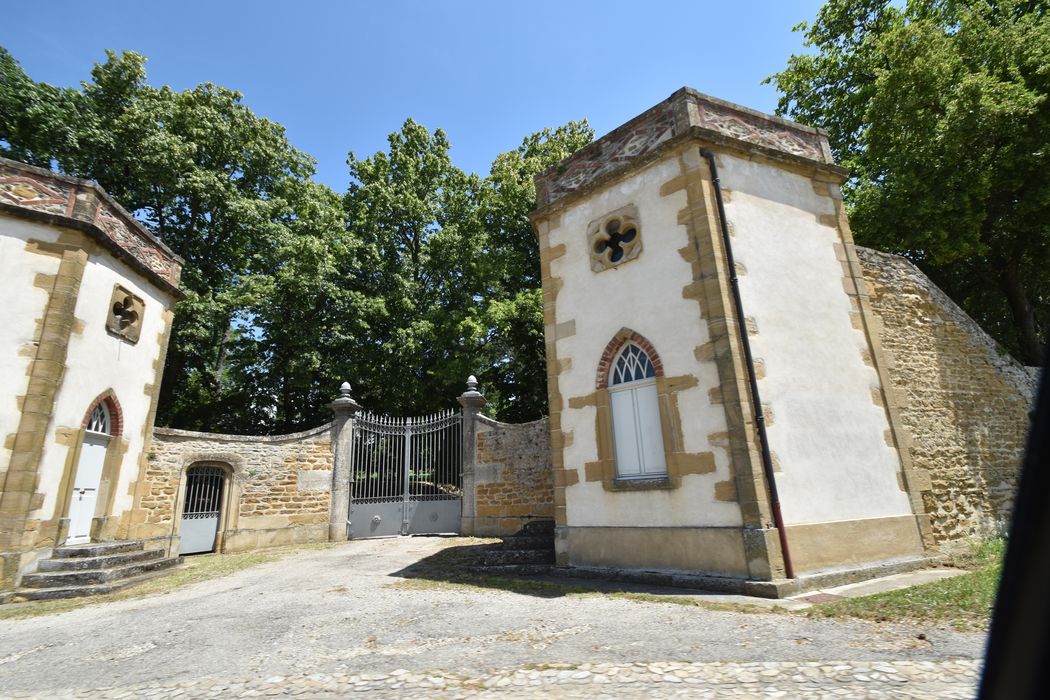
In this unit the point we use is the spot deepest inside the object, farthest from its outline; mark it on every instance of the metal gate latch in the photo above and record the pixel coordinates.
(376, 519)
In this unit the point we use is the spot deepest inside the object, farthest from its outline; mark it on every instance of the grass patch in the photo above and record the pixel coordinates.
(963, 602)
(202, 567)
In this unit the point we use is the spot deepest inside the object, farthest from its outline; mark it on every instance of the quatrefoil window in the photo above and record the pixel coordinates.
(615, 238)
(125, 314)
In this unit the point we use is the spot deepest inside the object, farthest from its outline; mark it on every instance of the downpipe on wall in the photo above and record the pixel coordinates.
(756, 400)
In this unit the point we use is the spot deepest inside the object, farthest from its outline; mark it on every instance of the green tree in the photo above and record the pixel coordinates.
(37, 121)
(415, 213)
(940, 110)
(421, 275)
(453, 264)
(295, 315)
(512, 360)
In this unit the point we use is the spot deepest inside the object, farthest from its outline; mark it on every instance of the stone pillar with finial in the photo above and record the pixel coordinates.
(344, 408)
(472, 402)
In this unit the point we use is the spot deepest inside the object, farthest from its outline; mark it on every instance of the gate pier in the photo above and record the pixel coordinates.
(472, 402)
(345, 409)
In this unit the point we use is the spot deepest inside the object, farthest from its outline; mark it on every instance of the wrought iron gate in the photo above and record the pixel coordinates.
(200, 512)
(407, 475)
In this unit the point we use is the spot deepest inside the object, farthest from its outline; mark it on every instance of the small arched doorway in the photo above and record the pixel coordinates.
(201, 509)
(98, 431)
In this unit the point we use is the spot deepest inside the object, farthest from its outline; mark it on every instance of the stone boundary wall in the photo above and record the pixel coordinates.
(278, 487)
(963, 401)
(513, 481)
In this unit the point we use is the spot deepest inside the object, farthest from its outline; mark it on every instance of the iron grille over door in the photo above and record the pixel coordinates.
(407, 475)
(201, 509)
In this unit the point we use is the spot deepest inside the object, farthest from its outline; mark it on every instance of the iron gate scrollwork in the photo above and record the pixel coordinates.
(406, 476)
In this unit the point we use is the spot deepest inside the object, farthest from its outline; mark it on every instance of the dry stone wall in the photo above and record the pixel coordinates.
(278, 487)
(513, 479)
(963, 401)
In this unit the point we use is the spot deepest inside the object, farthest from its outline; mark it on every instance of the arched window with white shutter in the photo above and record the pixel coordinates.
(637, 433)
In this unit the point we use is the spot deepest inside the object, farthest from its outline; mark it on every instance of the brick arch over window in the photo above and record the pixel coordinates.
(116, 413)
(624, 336)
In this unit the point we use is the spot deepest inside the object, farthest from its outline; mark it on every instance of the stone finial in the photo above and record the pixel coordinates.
(344, 403)
(472, 398)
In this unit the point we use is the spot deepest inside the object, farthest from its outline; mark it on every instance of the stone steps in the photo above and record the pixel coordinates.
(538, 527)
(91, 569)
(528, 552)
(29, 594)
(518, 542)
(103, 562)
(97, 549)
(500, 557)
(516, 569)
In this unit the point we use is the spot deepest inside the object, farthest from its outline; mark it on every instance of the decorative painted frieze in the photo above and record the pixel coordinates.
(615, 150)
(686, 109)
(36, 189)
(749, 127)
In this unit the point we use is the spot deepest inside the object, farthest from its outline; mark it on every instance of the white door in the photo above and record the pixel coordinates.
(85, 487)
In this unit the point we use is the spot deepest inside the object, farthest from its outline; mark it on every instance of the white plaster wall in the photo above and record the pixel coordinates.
(646, 296)
(98, 361)
(827, 433)
(23, 305)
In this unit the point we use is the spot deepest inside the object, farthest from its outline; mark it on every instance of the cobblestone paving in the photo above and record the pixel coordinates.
(906, 679)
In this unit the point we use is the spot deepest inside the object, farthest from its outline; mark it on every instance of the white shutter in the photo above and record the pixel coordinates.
(625, 434)
(637, 432)
(650, 434)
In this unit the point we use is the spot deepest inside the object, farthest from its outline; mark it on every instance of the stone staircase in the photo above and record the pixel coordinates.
(529, 551)
(91, 569)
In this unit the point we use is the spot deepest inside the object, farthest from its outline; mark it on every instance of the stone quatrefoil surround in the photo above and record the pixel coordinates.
(615, 238)
(125, 314)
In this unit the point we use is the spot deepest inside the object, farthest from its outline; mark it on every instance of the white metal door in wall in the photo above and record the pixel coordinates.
(406, 475)
(85, 487)
(201, 509)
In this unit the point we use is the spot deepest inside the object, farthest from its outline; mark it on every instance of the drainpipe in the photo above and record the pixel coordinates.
(756, 400)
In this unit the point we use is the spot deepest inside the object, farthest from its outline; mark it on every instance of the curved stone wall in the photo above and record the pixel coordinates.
(964, 401)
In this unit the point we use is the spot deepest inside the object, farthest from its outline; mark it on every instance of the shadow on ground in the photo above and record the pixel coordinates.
(464, 565)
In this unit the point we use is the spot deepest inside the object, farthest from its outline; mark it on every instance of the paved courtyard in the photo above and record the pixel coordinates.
(341, 622)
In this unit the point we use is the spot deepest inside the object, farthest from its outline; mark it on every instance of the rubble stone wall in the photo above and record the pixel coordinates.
(278, 487)
(513, 479)
(964, 401)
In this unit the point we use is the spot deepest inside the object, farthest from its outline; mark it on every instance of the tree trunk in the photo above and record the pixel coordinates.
(220, 362)
(172, 379)
(1023, 314)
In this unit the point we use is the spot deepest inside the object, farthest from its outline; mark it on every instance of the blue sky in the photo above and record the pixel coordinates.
(342, 75)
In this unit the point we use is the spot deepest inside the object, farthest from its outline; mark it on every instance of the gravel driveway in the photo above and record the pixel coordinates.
(345, 613)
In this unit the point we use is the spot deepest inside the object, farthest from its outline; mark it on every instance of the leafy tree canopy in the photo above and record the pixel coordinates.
(453, 262)
(940, 110)
(515, 370)
(418, 276)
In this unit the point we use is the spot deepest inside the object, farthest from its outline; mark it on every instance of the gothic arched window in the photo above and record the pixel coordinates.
(637, 432)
